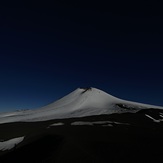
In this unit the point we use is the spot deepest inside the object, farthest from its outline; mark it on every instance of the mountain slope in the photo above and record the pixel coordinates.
(79, 103)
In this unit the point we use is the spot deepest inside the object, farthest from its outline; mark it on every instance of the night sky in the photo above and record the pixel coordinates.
(49, 49)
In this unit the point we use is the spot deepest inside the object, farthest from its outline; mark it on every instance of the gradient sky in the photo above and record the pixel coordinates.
(49, 49)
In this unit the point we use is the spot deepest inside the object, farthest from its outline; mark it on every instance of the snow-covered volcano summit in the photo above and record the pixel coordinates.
(79, 103)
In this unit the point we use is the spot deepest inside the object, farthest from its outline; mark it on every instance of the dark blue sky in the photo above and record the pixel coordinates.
(49, 49)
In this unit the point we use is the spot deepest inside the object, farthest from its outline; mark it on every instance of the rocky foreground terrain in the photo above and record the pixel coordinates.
(126, 137)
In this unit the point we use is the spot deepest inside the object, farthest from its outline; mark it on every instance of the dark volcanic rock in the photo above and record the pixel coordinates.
(116, 138)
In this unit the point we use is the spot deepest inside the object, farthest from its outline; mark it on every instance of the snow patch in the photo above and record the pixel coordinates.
(119, 123)
(161, 115)
(57, 124)
(9, 144)
(104, 123)
(82, 123)
(154, 120)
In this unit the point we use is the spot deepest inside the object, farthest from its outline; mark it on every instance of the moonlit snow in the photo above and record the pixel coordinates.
(79, 103)
(155, 120)
(161, 115)
(80, 123)
(103, 123)
(57, 124)
(9, 144)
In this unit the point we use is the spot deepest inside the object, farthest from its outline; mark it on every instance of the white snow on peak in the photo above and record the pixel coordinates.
(79, 103)
(9, 144)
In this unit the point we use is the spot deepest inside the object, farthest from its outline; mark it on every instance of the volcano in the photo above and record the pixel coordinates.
(81, 102)
(87, 125)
